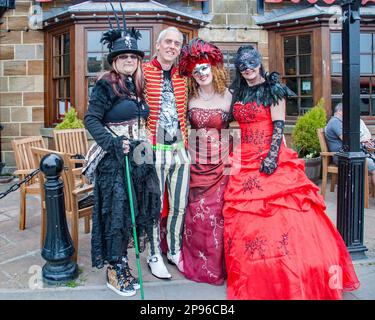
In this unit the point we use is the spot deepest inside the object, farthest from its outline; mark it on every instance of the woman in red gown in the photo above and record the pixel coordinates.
(279, 243)
(209, 106)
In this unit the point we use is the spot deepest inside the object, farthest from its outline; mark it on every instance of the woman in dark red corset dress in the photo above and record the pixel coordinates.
(279, 243)
(209, 105)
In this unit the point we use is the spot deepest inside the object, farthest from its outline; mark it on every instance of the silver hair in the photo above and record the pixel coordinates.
(164, 32)
(338, 107)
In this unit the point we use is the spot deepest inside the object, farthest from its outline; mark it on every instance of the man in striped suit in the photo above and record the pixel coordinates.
(166, 95)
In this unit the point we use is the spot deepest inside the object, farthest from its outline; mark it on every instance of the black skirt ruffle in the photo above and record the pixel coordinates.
(112, 226)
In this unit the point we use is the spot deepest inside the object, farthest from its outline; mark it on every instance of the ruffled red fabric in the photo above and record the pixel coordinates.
(279, 243)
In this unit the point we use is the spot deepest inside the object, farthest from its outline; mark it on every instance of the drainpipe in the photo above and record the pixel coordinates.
(260, 7)
(206, 7)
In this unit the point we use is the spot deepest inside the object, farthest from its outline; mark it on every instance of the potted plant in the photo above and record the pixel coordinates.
(305, 139)
(70, 121)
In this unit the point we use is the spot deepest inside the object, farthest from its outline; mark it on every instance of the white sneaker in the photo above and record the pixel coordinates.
(176, 260)
(157, 267)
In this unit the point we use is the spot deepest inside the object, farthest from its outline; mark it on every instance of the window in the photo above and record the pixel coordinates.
(97, 54)
(367, 69)
(229, 51)
(61, 75)
(298, 73)
(229, 56)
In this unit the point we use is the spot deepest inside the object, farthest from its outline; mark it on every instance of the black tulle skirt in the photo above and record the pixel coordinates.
(112, 227)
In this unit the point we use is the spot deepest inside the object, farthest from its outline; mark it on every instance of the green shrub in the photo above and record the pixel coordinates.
(305, 138)
(71, 121)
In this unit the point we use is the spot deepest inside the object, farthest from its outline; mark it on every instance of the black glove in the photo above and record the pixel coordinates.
(269, 164)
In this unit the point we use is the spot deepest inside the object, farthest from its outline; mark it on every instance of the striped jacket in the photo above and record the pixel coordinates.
(153, 74)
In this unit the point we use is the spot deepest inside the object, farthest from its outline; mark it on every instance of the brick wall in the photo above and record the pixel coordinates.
(21, 79)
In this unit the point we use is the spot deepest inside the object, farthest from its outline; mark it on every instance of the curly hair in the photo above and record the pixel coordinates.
(220, 76)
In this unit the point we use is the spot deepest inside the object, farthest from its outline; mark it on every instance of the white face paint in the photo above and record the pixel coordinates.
(202, 69)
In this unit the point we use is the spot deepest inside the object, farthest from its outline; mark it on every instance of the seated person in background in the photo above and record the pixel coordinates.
(333, 134)
(365, 135)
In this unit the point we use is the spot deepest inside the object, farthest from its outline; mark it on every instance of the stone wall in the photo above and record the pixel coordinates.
(21, 79)
(236, 14)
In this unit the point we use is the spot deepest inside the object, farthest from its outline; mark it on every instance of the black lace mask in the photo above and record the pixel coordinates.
(247, 58)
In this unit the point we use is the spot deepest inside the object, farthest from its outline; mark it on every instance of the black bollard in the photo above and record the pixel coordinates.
(58, 247)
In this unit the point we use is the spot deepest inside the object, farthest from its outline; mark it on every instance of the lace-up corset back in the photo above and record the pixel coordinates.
(201, 118)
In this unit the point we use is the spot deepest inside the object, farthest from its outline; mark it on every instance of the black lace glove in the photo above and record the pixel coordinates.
(269, 164)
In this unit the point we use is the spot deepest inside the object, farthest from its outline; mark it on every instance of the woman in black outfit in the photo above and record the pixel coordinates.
(116, 119)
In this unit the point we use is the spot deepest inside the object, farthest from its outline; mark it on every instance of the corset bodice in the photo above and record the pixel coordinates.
(255, 123)
(208, 118)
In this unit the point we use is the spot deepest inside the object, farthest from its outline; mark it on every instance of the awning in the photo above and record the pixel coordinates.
(315, 1)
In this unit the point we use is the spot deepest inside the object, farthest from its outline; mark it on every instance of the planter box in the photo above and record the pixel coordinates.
(313, 168)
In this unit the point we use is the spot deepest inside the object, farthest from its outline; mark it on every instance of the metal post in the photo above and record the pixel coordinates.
(58, 246)
(351, 162)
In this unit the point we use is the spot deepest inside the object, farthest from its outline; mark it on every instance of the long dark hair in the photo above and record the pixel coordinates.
(238, 87)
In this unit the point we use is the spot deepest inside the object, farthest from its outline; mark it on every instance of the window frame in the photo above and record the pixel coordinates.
(50, 94)
(91, 75)
(298, 76)
(60, 75)
(336, 97)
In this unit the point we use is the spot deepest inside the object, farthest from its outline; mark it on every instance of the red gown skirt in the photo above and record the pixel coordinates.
(279, 243)
(203, 245)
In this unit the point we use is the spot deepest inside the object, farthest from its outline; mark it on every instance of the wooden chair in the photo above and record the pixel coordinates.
(72, 141)
(328, 167)
(25, 165)
(73, 192)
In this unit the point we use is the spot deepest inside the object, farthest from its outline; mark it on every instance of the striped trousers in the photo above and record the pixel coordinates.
(173, 170)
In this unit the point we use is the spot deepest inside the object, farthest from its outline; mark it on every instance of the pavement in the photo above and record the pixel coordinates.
(21, 263)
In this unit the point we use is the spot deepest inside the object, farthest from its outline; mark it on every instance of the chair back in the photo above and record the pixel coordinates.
(66, 174)
(23, 154)
(322, 140)
(73, 141)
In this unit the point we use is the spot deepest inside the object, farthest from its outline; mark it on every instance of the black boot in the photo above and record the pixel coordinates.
(127, 275)
(117, 282)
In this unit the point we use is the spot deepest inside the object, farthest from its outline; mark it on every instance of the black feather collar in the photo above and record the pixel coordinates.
(267, 93)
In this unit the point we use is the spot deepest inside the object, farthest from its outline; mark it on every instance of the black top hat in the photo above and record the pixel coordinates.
(121, 40)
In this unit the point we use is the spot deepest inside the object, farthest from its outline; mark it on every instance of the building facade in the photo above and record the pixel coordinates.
(50, 52)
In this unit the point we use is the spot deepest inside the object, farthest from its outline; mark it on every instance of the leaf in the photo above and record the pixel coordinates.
(70, 121)
(305, 138)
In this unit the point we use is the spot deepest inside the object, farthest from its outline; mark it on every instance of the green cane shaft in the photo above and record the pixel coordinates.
(133, 223)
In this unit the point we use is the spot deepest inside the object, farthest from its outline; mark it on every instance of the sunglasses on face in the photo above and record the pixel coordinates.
(126, 56)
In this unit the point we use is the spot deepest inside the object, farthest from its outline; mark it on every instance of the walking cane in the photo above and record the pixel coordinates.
(127, 176)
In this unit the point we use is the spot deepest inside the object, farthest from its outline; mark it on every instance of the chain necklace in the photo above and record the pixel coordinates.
(205, 97)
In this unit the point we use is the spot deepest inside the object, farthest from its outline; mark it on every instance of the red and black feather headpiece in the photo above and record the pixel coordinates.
(198, 51)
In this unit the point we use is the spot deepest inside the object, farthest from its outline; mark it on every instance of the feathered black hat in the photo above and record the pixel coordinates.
(121, 40)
